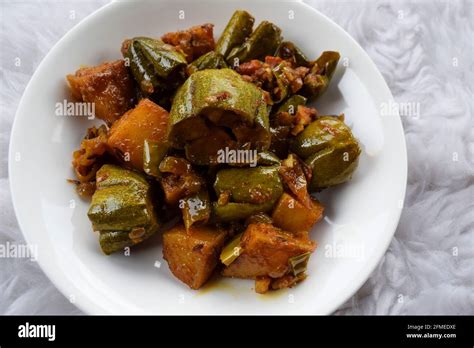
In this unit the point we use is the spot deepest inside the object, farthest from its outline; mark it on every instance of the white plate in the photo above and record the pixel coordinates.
(361, 216)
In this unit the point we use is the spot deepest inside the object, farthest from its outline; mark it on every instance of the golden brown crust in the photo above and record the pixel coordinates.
(147, 121)
(266, 251)
(109, 86)
(193, 255)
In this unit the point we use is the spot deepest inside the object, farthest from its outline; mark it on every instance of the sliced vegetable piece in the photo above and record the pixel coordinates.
(236, 31)
(325, 131)
(121, 209)
(238, 211)
(146, 122)
(264, 41)
(210, 60)
(153, 154)
(225, 99)
(267, 158)
(108, 86)
(298, 264)
(178, 179)
(262, 284)
(155, 65)
(333, 165)
(290, 215)
(250, 185)
(231, 251)
(317, 81)
(291, 104)
(192, 255)
(289, 51)
(266, 252)
(196, 208)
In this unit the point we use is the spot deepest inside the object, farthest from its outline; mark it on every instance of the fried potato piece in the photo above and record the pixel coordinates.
(193, 255)
(266, 250)
(290, 215)
(262, 284)
(109, 86)
(147, 121)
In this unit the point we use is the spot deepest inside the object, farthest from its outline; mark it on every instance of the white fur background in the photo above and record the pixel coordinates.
(424, 49)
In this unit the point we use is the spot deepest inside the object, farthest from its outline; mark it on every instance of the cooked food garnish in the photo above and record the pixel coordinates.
(219, 140)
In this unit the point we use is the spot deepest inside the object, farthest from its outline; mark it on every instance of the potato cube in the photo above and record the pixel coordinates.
(266, 251)
(109, 86)
(193, 255)
(147, 121)
(290, 215)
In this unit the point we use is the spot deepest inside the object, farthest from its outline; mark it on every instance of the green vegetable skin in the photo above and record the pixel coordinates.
(231, 251)
(288, 50)
(292, 103)
(237, 30)
(210, 60)
(251, 190)
(330, 149)
(121, 208)
(264, 41)
(317, 82)
(153, 153)
(223, 90)
(155, 65)
(196, 208)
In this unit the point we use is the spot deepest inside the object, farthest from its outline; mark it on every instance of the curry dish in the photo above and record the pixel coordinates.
(215, 141)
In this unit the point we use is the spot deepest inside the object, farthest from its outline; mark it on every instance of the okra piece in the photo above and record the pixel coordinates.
(317, 81)
(155, 65)
(289, 51)
(153, 154)
(291, 104)
(330, 149)
(237, 30)
(196, 208)
(210, 60)
(264, 41)
(250, 191)
(221, 97)
(121, 208)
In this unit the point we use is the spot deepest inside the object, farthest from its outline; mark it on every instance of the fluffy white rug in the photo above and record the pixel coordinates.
(423, 49)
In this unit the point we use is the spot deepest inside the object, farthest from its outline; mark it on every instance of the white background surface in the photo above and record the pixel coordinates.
(423, 49)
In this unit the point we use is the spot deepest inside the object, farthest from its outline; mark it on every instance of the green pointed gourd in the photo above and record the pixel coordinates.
(121, 208)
